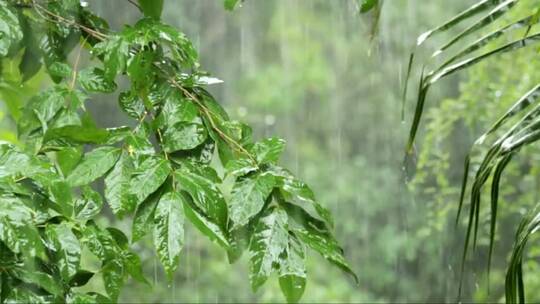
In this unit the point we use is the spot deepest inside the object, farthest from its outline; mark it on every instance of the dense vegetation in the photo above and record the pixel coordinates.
(332, 84)
(161, 171)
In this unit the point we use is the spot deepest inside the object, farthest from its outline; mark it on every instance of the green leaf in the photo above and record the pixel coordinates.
(87, 298)
(41, 109)
(133, 266)
(10, 30)
(89, 205)
(67, 249)
(268, 241)
(131, 104)
(67, 159)
(327, 246)
(81, 278)
(148, 177)
(60, 69)
(21, 295)
(240, 166)
(230, 4)
(178, 109)
(93, 165)
(115, 51)
(78, 134)
(292, 270)
(205, 225)
(16, 228)
(94, 80)
(117, 185)
(41, 279)
(151, 8)
(31, 60)
(169, 231)
(293, 188)
(60, 193)
(183, 136)
(268, 150)
(143, 222)
(248, 197)
(205, 194)
(100, 242)
(113, 278)
(367, 5)
(12, 161)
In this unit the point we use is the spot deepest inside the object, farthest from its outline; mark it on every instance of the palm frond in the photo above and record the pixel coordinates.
(525, 131)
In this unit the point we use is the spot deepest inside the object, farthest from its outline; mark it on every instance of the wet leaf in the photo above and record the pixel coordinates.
(93, 165)
(267, 243)
(67, 249)
(117, 185)
(248, 197)
(169, 231)
(148, 177)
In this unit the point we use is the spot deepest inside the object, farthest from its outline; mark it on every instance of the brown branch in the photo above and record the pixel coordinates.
(96, 34)
(209, 114)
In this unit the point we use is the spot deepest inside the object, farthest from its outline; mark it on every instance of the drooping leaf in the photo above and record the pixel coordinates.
(143, 222)
(206, 225)
(292, 188)
(292, 270)
(169, 231)
(206, 196)
(133, 266)
(114, 277)
(117, 185)
(151, 8)
(327, 247)
(269, 239)
(67, 249)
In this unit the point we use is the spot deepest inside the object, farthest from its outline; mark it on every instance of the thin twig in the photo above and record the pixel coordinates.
(101, 36)
(76, 65)
(96, 34)
(209, 114)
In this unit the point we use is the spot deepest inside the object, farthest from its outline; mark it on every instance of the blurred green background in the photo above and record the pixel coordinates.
(308, 71)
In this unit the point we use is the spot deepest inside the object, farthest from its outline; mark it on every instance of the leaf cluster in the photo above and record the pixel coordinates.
(171, 167)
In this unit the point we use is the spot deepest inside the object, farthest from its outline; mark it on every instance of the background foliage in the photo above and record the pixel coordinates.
(308, 70)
